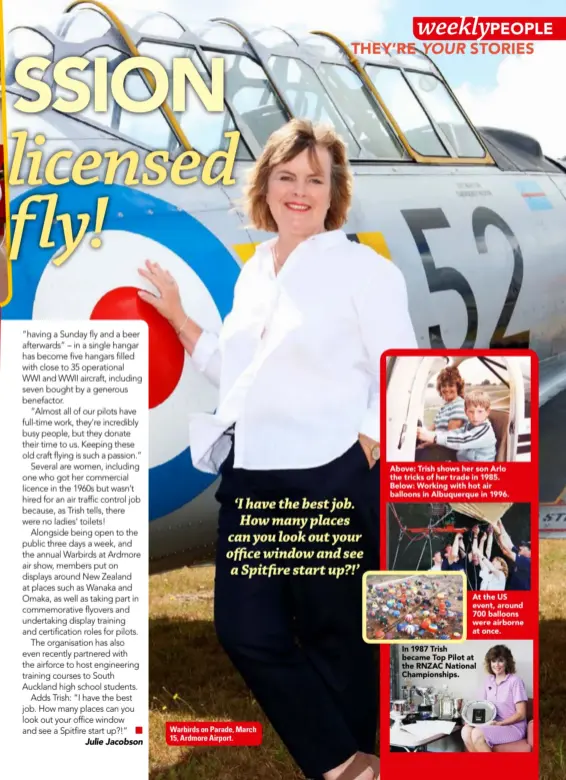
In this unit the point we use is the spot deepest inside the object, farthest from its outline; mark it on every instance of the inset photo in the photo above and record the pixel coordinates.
(466, 409)
(489, 543)
(422, 607)
(476, 697)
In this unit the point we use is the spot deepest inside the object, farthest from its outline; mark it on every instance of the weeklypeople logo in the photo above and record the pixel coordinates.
(471, 35)
(489, 28)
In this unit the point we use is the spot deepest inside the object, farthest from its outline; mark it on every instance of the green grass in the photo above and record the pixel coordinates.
(191, 679)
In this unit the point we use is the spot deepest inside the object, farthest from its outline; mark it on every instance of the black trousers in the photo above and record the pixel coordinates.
(297, 639)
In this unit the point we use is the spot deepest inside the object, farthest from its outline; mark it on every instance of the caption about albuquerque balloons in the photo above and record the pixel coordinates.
(76, 459)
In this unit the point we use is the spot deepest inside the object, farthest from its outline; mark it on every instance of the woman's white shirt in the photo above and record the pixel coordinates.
(297, 359)
(492, 580)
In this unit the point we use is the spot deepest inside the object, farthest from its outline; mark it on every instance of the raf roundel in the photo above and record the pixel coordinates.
(102, 284)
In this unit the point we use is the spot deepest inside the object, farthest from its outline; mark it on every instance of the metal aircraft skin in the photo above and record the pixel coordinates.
(475, 220)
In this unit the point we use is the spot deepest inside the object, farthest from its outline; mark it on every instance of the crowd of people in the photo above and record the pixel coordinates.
(484, 572)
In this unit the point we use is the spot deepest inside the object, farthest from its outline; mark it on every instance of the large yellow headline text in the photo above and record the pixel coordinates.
(30, 167)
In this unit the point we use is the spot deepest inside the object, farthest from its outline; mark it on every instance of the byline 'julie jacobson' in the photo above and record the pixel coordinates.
(111, 741)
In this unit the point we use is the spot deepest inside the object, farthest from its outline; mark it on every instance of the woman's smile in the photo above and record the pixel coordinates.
(294, 206)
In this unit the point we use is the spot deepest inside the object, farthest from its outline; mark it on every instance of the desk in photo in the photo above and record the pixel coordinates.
(423, 735)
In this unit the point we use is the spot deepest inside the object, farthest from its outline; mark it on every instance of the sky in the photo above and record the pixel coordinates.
(524, 93)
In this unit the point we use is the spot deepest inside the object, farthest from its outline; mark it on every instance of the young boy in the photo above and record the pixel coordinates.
(475, 441)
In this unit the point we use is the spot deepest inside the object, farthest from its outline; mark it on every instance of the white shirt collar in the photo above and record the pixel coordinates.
(327, 238)
(507, 676)
(318, 242)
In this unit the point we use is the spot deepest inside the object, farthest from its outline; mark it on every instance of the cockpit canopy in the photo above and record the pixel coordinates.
(386, 108)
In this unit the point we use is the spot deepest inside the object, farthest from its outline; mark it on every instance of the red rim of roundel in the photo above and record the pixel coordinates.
(166, 353)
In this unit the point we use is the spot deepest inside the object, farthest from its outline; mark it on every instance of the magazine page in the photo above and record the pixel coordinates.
(282, 374)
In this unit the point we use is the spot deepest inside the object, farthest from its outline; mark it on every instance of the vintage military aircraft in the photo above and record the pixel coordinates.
(475, 218)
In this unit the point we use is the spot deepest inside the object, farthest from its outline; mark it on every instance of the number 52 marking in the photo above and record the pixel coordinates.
(448, 278)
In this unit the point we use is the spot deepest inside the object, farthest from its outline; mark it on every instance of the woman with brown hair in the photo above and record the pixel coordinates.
(297, 428)
(505, 689)
(450, 386)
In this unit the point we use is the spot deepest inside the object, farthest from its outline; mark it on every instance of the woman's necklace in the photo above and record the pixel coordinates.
(276, 262)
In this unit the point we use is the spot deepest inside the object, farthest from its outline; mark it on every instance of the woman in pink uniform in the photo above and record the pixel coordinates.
(507, 691)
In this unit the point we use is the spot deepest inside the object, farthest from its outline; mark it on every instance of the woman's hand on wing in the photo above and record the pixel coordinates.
(168, 300)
